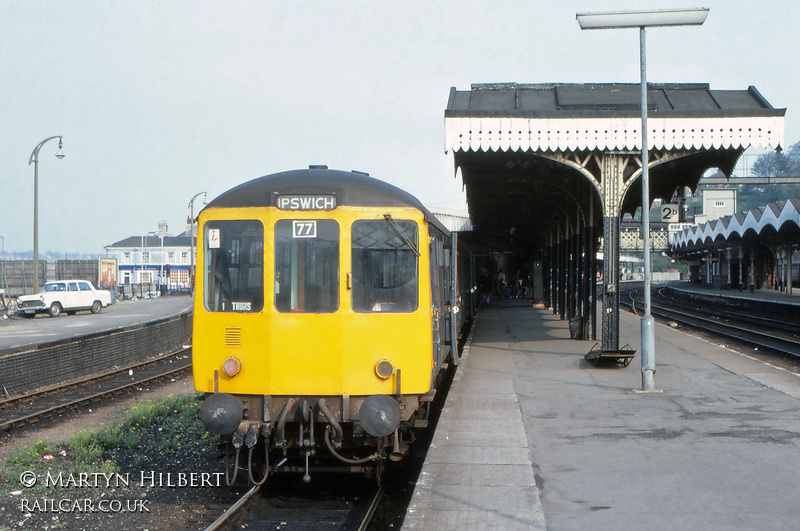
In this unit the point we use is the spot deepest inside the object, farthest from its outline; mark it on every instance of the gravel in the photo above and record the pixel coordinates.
(151, 499)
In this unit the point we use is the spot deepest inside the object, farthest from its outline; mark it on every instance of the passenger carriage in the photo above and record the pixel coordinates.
(323, 317)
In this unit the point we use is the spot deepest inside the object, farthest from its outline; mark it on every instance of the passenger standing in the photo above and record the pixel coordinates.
(485, 288)
(501, 284)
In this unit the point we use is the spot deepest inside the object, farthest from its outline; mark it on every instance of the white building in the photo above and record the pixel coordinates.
(717, 204)
(149, 259)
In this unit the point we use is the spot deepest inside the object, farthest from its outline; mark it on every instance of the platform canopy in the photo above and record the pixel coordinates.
(774, 224)
(528, 152)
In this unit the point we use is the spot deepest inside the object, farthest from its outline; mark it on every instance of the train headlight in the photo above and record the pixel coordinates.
(384, 368)
(232, 366)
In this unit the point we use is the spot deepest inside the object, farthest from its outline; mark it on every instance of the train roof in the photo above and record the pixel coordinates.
(350, 188)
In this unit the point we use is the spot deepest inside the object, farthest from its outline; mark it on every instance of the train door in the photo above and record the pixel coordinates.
(306, 266)
(438, 297)
(454, 298)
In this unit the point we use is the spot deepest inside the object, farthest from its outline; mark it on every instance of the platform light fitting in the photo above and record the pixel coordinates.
(643, 19)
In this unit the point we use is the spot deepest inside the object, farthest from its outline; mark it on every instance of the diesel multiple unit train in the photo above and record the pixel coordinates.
(326, 308)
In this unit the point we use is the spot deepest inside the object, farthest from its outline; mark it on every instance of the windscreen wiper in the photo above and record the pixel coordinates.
(402, 234)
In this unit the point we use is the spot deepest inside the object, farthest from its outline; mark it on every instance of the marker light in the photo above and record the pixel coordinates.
(384, 368)
(231, 366)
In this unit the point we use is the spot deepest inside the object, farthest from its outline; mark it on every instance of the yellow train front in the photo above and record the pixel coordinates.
(320, 321)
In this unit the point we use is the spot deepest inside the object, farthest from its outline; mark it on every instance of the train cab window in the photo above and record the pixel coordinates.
(385, 265)
(233, 253)
(306, 266)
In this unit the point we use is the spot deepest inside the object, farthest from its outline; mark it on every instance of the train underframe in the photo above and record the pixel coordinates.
(314, 434)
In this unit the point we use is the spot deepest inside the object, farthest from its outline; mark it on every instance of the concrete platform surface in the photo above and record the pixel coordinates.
(535, 437)
(764, 294)
(18, 332)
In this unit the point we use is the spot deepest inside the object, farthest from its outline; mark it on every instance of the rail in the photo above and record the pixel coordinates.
(234, 510)
(41, 403)
(352, 511)
(25, 368)
(765, 332)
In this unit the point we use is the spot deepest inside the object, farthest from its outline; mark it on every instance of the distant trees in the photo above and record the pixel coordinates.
(774, 164)
(751, 196)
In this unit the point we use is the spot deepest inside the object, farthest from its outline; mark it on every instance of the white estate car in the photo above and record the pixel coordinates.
(64, 295)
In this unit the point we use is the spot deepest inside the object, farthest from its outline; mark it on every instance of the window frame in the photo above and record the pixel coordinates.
(238, 253)
(301, 230)
(390, 304)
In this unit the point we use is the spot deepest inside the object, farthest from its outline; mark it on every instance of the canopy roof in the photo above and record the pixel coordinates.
(532, 155)
(607, 116)
(776, 223)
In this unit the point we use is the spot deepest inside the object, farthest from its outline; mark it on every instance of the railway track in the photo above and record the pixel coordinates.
(350, 507)
(759, 331)
(332, 501)
(21, 412)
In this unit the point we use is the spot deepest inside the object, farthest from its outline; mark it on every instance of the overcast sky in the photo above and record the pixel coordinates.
(157, 101)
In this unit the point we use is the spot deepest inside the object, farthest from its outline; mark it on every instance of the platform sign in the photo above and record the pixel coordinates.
(669, 212)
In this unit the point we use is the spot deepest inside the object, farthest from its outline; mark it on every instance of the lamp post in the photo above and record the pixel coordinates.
(2, 262)
(161, 267)
(641, 20)
(35, 161)
(191, 236)
(142, 276)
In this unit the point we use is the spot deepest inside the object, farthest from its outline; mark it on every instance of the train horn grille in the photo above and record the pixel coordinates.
(233, 337)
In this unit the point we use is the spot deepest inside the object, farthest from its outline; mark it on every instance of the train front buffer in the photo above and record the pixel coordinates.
(323, 434)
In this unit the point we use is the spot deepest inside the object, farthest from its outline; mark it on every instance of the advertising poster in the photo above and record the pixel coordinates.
(108, 273)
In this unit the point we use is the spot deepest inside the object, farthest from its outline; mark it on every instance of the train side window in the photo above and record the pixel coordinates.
(306, 266)
(385, 266)
(233, 253)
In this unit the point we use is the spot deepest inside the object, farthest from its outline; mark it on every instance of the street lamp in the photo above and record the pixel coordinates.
(2, 263)
(35, 161)
(141, 267)
(191, 234)
(160, 277)
(641, 20)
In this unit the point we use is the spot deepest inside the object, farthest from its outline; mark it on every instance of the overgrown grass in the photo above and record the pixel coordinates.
(165, 435)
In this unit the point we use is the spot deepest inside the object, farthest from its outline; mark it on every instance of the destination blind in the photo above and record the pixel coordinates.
(306, 202)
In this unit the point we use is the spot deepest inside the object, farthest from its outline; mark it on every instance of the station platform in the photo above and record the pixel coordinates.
(765, 294)
(20, 334)
(532, 436)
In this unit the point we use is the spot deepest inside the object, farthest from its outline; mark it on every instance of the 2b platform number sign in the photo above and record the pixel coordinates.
(669, 213)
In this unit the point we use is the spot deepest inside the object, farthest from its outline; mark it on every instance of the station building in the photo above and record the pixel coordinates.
(155, 260)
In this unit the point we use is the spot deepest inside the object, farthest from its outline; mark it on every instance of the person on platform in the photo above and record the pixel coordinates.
(485, 288)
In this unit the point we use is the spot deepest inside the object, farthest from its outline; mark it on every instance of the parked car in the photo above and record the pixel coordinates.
(64, 296)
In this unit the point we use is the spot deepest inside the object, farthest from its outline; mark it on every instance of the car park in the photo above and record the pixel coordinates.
(67, 296)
